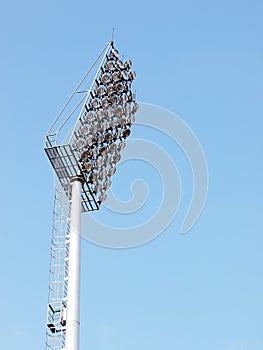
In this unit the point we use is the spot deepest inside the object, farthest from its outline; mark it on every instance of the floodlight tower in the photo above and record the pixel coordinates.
(84, 163)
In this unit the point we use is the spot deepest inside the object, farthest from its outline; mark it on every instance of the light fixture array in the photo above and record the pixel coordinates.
(105, 123)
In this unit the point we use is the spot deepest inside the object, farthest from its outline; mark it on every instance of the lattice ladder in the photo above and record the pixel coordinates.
(58, 280)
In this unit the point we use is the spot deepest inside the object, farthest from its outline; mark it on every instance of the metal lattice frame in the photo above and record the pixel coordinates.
(66, 167)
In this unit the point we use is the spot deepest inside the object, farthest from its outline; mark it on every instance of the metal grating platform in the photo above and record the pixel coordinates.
(66, 167)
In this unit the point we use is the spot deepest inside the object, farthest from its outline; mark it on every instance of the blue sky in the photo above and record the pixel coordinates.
(201, 60)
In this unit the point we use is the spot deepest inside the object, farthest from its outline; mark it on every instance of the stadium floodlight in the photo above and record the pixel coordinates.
(84, 163)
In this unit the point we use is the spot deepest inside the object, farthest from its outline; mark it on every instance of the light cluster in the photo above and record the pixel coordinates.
(105, 123)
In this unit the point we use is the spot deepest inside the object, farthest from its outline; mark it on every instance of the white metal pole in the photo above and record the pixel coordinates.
(73, 303)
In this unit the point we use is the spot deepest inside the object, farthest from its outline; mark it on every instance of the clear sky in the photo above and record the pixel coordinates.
(199, 59)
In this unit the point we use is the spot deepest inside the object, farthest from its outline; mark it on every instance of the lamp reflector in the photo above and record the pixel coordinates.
(79, 144)
(105, 78)
(108, 136)
(113, 100)
(122, 121)
(115, 53)
(107, 184)
(120, 64)
(110, 65)
(112, 148)
(131, 119)
(119, 87)
(126, 133)
(121, 145)
(135, 107)
(84, 155)
(94, 103)
(123, 98)
(112, 170)
(89, 117)
(100, 91)
(127, 109)
(116, 76)
(84, 130)
(124, 75)
(93, 177)
(128, 64)
(110, 89)
(89, 141)
(88, 166)
(102, 197)
(103, 150)
(104, 102)
(132, 75)
(118, 111)
(97, 188)
(117, 158)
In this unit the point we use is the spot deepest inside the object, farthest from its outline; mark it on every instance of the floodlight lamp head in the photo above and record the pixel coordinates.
(105, 115)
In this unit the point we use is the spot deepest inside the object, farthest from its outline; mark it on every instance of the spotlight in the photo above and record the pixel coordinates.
(115, 53)
(99, 139)
(88, 166)
(126, 133)
(116, 76)
(110, 89)
(103, 174)
(113, 124)
(103, 125)
(117, 158)
(131, 119)
(131, 98)
(118, 111)
(120, 64)
(110, 65)
(84, 155)
(113, 100)
(123, 98)
(94, 153)
(94, 103)
(124, 75)
(100, 91)
(89, 117)
(122, 121)
(112, 148)
(103, 150)
(79, 144)
(94, 128)
(89, 141)
(102, 197)
(105, 78)
(108, 160)
(127, 109)
(128, 86)
(112, 170)
(100, 114)
(117, 135)
(108, 136)
(104, 102)
(107, 184)
(93, 177)
(128, 64)
(97, 188)
(132, 75)
(98, 163)
(121, 145)
(119, 87)
(84, 131)
(135, 107)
